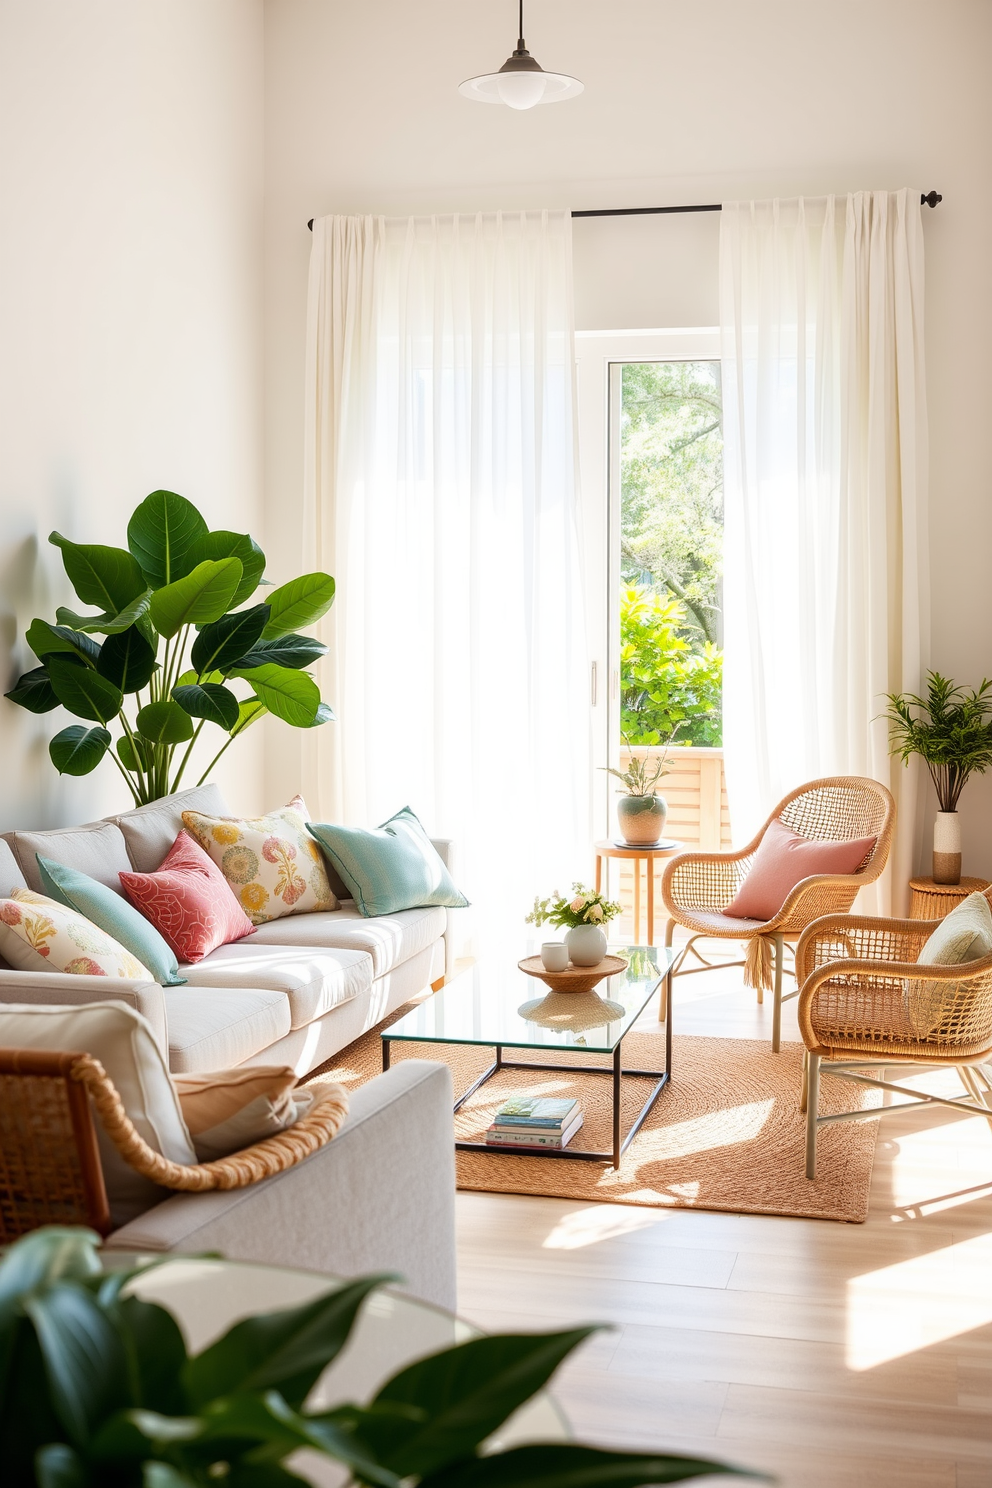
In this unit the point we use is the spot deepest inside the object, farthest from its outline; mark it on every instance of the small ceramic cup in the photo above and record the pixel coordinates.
(554, 955)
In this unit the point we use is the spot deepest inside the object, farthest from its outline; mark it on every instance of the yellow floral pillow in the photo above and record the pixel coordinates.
(271, 862)
(38, 934)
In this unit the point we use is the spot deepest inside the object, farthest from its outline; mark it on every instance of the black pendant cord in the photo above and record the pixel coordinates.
(928, 199)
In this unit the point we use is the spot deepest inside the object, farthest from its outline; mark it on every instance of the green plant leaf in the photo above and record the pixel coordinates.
(57, 640)
(285, 1350)
(34, 691)
(293, 651)
(108, 577)
(127, 660)
(82, 691)
(186, 679)
(235, 545)
(566, 1466)
(292, 696)
(266, 1420)
(324, 714)
(139, 1433)
(156, 1354)
(163, 534)
(165, 723)
(125, 750)
(84, 1358)
(88, 624)
(209, 700)
(464, 1393)
(262, 1475)
(78, 750)
(164, 1475)
(197, 598)
(249, 712)
(57, 1465)
(299, 603)
(219, 645)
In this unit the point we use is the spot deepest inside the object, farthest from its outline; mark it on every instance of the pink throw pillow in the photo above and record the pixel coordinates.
(784, 859)
(189, 901)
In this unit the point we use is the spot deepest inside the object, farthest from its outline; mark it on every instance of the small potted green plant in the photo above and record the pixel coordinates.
(584, 914)
(641, 811)
(951, 730)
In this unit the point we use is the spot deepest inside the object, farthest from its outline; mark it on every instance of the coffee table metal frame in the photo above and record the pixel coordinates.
(620, 1144)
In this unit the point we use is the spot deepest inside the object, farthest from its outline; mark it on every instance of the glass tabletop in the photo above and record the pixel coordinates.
(497, 1004)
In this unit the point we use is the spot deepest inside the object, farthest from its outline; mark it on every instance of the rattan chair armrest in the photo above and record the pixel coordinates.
(696, 869)
(865, 974)
(880, 937)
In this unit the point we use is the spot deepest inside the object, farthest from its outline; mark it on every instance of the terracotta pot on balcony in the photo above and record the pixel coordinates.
(642, 819)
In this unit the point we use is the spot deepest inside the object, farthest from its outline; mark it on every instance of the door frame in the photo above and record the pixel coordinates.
(598, 356)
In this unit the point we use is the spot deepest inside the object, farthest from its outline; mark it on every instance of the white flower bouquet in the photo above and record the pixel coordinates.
(583, 908)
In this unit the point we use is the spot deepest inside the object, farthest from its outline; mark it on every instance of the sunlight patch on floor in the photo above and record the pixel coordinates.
(597, 1223)
(918, 1302)
(705, 1133)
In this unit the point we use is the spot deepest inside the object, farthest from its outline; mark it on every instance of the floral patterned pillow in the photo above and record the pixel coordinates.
(37, 934)
(271, 862)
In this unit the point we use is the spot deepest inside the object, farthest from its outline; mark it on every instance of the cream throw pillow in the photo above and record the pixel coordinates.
(963, 935)
(272, 863)
(39, 934)
(229, 1111)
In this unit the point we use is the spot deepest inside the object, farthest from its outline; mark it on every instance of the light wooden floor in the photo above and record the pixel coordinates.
(835, 1356)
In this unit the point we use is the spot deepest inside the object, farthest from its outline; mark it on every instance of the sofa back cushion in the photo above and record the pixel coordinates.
(11, 876)
(149, 831)
(97, 849)
(126, 1047)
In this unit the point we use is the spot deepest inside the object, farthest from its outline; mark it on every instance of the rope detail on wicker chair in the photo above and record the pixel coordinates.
(241, 1169)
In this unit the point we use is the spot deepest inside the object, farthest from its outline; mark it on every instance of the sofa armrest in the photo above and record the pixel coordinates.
(380, 1196)
(60, 988)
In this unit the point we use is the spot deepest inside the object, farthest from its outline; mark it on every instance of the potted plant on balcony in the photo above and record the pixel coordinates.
(951, 730)
(181, 648)
(641, 811)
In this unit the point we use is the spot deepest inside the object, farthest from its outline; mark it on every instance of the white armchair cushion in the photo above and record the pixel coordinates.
(126, 1047)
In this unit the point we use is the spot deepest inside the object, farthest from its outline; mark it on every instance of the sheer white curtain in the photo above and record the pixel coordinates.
(826, 597)
(441, 479)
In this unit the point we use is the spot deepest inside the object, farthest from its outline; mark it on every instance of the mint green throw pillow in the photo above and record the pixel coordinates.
(112, 913)
(394, 867)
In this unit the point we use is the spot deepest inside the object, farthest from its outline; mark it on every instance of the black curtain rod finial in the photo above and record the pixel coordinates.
(928, 199)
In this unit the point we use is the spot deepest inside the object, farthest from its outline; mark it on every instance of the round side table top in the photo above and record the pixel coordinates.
(960, 890)
(662, 849)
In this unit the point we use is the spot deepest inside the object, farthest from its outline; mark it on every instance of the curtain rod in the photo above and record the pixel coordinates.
(928, 199)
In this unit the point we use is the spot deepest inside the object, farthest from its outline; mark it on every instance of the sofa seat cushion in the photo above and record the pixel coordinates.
(313, 980)
(388, 939)
(97, 849)
(212, 1028)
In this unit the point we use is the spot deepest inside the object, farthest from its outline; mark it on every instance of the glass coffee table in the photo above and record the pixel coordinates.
(500, 1008)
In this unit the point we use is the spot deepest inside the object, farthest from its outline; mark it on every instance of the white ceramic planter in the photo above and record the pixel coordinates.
(947, 848)
(586, 945)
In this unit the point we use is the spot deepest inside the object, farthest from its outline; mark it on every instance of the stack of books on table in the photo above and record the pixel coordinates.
(534, 1121)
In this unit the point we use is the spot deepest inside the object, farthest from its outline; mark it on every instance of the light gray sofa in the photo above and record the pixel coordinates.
(380, 1196)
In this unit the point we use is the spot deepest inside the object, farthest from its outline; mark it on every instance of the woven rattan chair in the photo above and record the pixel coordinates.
(858, 977)
(697, 887)
(50, 1171)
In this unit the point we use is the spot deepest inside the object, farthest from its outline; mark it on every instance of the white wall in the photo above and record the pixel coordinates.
(130, 311)
(683, 103)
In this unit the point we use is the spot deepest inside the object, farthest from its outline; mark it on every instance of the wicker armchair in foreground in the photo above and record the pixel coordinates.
(698, 887)
(50, 1170)
(866, 1004)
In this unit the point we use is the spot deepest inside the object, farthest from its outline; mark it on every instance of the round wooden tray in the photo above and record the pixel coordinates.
(573, 978)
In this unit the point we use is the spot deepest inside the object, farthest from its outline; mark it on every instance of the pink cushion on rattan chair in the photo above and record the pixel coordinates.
(784, 859)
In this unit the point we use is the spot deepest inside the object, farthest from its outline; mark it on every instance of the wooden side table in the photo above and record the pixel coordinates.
(932, 901)
(648, 855)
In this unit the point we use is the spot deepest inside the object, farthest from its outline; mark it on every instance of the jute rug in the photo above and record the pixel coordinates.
(726, 1133)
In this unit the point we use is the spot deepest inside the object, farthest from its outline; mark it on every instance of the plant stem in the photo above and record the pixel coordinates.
(130, 784)
(185, 758)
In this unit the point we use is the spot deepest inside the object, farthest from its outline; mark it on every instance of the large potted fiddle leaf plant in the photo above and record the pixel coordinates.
(98, 1390)
(181, 643)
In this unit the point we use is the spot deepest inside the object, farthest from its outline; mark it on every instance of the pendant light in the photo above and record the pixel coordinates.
(521, 82)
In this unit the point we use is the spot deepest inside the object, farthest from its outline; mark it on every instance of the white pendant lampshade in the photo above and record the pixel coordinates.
(521, 82)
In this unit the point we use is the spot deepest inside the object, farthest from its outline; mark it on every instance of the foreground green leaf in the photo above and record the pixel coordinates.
(209, 700)
(84, 692)
(59, 1466)
(134, 613)
(77, 750)
(235, 545)
(249, 712)
(299, 603)
(155, 1351)
(126, 752)
(197, 598)
(127, 660)
(163, 534)
(218, 646)
(285, 1351)
(292, 696)
(58, 640)
(108, 577)
(165, 723)
(566, 1466)
(34, 691)
(84, 1359)
(293, 651)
